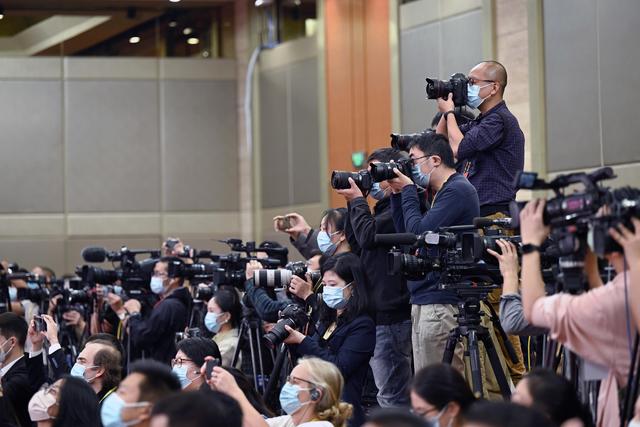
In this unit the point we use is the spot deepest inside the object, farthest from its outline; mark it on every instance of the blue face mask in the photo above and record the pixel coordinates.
(325, 244)
(377, 192)
(289, 400)
(211, 322)
(181, 373)
(78, 371)
(13, 293)
(435, 421)
(33, 285)
(334, 297)
(421, 179)
(157, 285)
(473, 95)
(111, 411)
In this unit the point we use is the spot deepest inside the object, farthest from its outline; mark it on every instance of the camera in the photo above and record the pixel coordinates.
(293, 316)
(282, 278)
(623, 204)
(474, 246)
(401, 141)
(189, 333)
(384, 171)
(340, 180)
(456, 85)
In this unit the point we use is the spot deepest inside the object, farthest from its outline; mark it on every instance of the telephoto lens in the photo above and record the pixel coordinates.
(340, 180)
(272, 278)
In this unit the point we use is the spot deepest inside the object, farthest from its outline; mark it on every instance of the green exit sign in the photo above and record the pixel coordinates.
(358, 159)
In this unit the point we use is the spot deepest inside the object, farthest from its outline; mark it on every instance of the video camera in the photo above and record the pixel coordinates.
(456, 85)
(622, 205)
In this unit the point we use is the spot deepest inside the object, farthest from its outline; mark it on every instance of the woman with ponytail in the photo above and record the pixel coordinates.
(346, 335)
(311, 397)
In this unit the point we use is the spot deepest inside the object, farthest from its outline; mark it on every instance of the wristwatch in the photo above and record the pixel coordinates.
(529, 248)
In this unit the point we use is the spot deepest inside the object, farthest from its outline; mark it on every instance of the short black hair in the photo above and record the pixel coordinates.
(198, 409)
(337, 217)
(348, 267)
(197, 348)
(159, 381)
(78, 404)
(396, 417)
(440, 384)
(504, 414)
(435, 144)
(385, 155)
(228, 300)
(12, 325)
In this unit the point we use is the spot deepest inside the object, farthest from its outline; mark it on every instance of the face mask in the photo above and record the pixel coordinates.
(435, 421)
(157, 285)
(420, 178)
(377, 192)
(181, 373)
(289, 400)
(3, 353)
(325, 244)
(78, 371)
(111, 412)
(38, 405)
(211, 322)
(334, 297)
(32, 285)
(13, 293)
(634, 423)
(473, 95)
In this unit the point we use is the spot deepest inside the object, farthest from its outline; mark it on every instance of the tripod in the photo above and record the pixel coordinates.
(250, 332)
(469, 327)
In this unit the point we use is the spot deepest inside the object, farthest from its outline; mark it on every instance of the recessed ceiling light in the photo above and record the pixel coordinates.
(193, 40)
(173, 24)
(134, 39)
(187, 31)
(174, 1)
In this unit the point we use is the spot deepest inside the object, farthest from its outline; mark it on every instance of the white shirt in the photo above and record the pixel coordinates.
(5, 368)
(286, 421)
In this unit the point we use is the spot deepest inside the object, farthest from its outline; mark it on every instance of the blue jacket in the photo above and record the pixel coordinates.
(349, 348)
(455, 204)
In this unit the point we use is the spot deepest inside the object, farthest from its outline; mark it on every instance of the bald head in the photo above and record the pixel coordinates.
(495, 71)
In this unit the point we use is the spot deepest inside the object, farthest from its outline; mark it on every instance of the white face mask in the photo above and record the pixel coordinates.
(4, 353)
(157, 285)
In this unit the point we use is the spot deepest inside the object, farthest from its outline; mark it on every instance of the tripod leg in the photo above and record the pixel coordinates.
(275, 374)
(257, 331)
(495, 364)
(236, 354)
(474, 359)
(253, 361)
(450, 348)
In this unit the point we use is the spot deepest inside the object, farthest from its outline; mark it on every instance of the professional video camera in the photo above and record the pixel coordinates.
(456, 85)
(622, 205)
(133, 275)
(7, 275)
(293, 316)
(569, 216)
(282, 278)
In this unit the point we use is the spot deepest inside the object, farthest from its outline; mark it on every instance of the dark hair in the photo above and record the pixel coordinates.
(109, 359)
(249, 391)
(386, 154)
(106, 339)
(440, 384)
(12, 325)
(78, 404)
(435, 144)
(198, 348)
(504, 414)
(197, 409)
(158, 380)
(348, 267)
(555, 396)
(396, 417)
(172, 260)
(228, 300)
(337, 217)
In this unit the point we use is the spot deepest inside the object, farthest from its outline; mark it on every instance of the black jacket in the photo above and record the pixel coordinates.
(156, 334)
(17, 389)
(389, 294)
(349, 347)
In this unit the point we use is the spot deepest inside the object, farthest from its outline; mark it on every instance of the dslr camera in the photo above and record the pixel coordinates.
(456, 85)
(293, 316)
(282, 278)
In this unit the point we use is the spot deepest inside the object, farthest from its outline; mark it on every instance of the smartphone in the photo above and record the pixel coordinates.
(284, 223)
(208, 369)
(41, 325)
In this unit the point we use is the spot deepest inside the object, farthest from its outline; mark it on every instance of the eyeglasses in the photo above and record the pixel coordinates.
(178, 361)
(292, 380)
(473, 81)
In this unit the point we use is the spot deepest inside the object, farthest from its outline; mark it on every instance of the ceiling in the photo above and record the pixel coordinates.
(63, 6)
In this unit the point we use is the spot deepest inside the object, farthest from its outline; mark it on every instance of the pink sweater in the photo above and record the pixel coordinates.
(594, 326)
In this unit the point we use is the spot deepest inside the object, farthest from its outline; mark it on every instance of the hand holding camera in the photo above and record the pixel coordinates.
(397, 184)
(295, 336)
(352, 192)
(251, 267)
(293, 224)
(300, 287)
(532, 228)
(446, 104)
(508, 260)
(629, 240)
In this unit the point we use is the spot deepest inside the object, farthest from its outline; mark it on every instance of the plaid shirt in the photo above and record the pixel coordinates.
(491, 153)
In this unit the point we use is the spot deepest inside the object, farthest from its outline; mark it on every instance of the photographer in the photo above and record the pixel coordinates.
(224, 313)
(391, 362)
(592, 324)
(630, 242)
(489, 149)
(345, 335)
(301, 235)
(455, 203)
(156, 334)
